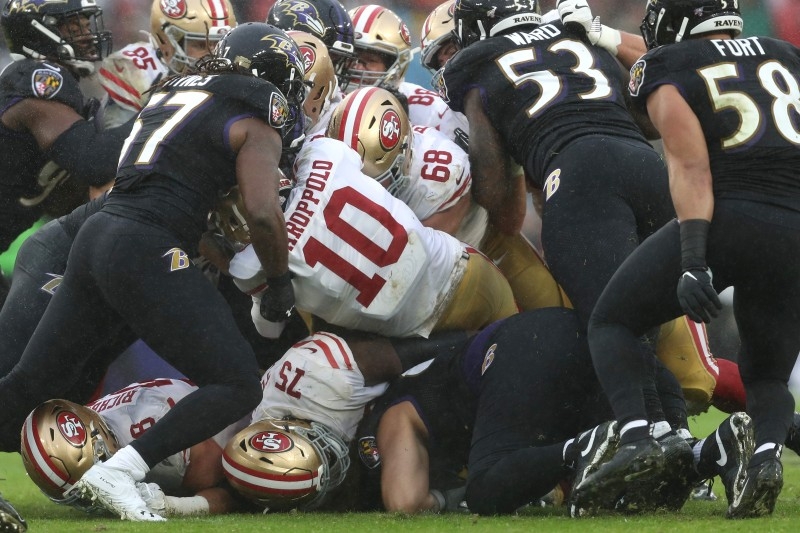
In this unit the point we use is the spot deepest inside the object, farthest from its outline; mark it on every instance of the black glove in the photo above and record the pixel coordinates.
(277, 302)
(697, 296)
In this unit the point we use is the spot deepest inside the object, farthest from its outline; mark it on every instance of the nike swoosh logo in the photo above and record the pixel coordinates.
(723, 457)
(588, 447)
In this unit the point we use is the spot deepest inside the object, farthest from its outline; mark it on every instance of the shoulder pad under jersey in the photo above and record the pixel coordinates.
(29, 78)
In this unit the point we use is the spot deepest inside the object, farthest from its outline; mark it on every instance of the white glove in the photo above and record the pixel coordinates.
(578, 15)
(153, 496)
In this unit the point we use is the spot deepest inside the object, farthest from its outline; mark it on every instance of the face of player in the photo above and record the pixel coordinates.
(197, 48)
(446, 51)
(77, 30)
(369, 61)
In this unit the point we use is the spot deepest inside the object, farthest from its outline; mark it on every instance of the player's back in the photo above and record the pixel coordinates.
(541, 88)
(746, 95)
(360, 258)
(178, 157)
(317, 379)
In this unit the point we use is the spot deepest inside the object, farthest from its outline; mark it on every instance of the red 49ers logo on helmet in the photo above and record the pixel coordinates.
(271, 441)
(390, 129)
(309, 56)
(174, 9)
(404, 33)
(71, 428)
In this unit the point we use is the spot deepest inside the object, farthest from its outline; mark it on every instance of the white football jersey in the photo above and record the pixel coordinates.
(426, 108)
(131, 411)
(439, 177)
(318, 379)
(359, 257)
(126, 75)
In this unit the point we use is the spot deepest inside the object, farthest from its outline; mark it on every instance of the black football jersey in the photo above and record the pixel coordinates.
(178, 159)
(541, 89)
(446, 405)
(22, 159)
(746, 94)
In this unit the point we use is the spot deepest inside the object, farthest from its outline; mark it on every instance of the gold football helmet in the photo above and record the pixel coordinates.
(320, 75)
(285, 464)
(61, 440)
(372, 122)
(437, 30)
(228, 215)
(378, 29)
(184, 30)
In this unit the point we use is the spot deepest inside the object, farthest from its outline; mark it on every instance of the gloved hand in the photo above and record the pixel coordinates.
(153, 497)
(577, 16)
(277, 302)
(697, 296)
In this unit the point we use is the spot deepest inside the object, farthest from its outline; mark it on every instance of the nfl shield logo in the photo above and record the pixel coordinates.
(46, 82)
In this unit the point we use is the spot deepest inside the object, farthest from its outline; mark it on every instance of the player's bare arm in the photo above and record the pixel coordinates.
(494, 185)
(258, 149)
(686, 152)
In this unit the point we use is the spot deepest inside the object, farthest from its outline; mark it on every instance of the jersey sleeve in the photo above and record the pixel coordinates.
(37, 79)
(267, 102)
(646, 75)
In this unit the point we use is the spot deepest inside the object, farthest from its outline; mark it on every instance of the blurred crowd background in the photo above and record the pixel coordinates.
(779, 18)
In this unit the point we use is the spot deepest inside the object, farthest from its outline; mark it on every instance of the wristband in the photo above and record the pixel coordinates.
(694, 237)
(609, 39)
(280, 281)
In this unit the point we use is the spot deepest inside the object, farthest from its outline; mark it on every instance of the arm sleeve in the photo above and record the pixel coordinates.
(88, 155)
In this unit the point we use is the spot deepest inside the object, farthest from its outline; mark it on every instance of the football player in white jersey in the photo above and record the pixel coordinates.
(180, 33)
(316, 395)
(119, 418)
(383, 50)
(431, 174)
(361, 259)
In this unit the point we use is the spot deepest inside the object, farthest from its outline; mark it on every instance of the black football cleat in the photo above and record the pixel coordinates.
(641, 461)
(762, 485)
(670, 490)
(596, 446)
(731, 446)
(10, 519)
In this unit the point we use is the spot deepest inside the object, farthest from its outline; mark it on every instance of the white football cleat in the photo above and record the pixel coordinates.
(116, 491)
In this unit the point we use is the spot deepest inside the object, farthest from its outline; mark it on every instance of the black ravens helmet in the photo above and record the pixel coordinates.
(267, 52)
(671, 21)
(475, 20)
(68, 31)
(325, 19)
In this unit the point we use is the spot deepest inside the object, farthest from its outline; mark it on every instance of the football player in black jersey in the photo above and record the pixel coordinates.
(198, 136)
(726, 109)
(507, 405)
(38, 270)
(540, 96)
(44, 130)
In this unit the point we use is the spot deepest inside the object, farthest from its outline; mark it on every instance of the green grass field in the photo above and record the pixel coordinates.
(43, 516)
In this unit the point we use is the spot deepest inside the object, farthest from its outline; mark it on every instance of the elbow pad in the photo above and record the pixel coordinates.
(89, 156)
